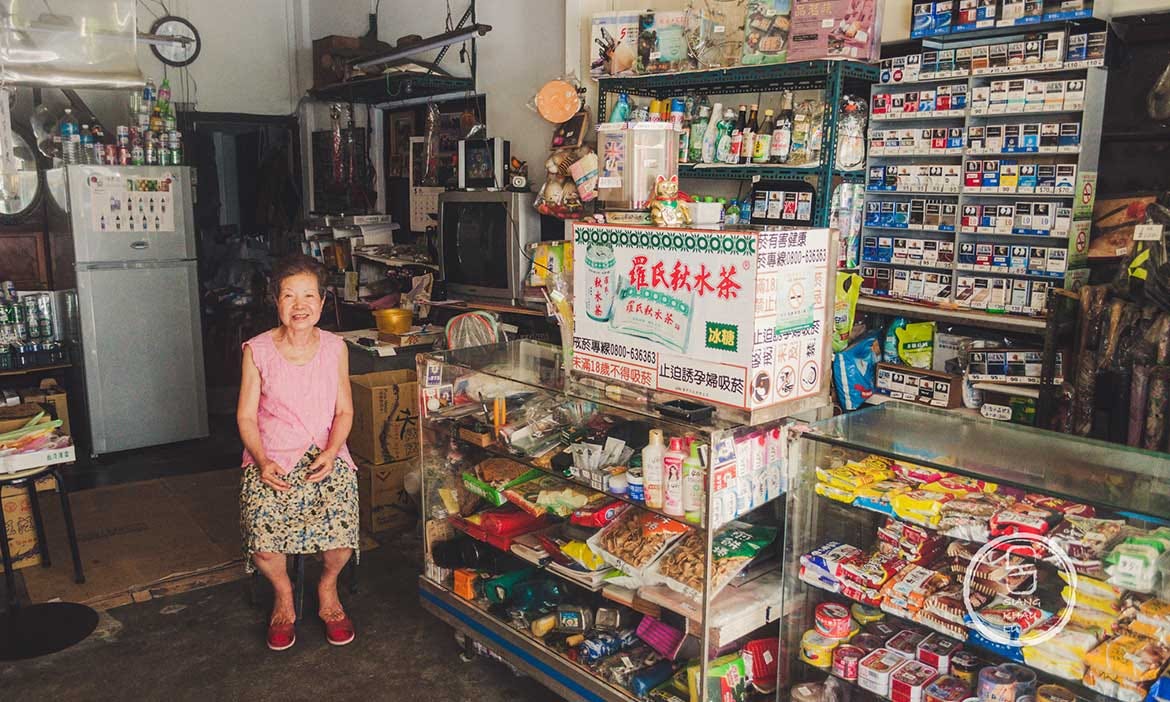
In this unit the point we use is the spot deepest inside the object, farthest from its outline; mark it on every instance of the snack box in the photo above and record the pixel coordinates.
(876, 670)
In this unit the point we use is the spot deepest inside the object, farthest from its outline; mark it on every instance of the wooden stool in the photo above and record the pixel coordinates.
(28, 478)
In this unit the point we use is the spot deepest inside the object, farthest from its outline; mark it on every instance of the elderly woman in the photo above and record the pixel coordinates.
(299, 492)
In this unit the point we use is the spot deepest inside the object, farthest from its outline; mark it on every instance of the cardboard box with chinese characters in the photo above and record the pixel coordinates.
(734, 318)
(385, 416)
(382, 500)
(18, 521)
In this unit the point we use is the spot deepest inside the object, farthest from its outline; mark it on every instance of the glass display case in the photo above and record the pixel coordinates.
(935, 557)
(570, 531)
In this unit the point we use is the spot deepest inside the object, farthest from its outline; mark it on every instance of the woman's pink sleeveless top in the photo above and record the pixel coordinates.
(297, 403)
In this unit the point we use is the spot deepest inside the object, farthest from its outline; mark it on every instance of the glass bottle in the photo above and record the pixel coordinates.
(801, 133)
(737, 136)
(698, 131)
(781, 146)
(762, 148)
(749, 135)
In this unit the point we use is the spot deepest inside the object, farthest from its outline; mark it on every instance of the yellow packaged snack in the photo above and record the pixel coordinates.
(834, 493)
(1108, 606)
(1128, 657)
(920, 506)
(1093, 619)
(1153, 621)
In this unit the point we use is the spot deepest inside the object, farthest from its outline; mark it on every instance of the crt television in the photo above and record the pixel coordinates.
(482, 240)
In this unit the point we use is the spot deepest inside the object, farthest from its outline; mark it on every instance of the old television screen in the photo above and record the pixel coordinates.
(475, 244)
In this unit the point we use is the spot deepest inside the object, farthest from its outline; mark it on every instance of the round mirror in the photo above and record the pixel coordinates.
(20, 189)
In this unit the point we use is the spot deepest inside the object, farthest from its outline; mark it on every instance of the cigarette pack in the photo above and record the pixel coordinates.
(1070, 137)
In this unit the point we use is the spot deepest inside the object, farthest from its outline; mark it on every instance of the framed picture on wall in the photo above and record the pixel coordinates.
(401, 130)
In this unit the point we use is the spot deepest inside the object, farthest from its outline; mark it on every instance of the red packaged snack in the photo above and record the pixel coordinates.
(1023, 518)
(905, 643)
(1057, 504)
(936, 651)
(871, 570)
(860, 593)
(1012, 615)
(947, 688)
(916, 473)
(599, 515)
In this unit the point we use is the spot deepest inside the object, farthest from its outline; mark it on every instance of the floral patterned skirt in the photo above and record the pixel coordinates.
(309, 518)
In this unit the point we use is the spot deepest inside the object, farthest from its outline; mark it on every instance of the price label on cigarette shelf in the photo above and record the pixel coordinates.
(997, 412)
(1147, 232)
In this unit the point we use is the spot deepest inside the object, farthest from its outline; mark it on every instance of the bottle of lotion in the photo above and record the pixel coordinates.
(672, 471)
(693, 484)
(652, 469)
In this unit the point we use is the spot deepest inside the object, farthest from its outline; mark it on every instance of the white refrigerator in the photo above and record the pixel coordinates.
(127, 236)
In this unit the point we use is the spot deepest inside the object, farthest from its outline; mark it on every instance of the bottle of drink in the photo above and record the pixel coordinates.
(737, 136)
(749, 135)
(816, 130)
(731, 213)
(99, 146)
(711, 136)
(176, 145)
(694, 483)
(781, 146)
(763, 146)
(621, 109)
(672, 478)
(70, 138)
(164, 96)
(85, 139)
(681, 122)
(149, 95)
(802, 133)
(726, 127)
(698, 130)
(652, 469)
(156, 120)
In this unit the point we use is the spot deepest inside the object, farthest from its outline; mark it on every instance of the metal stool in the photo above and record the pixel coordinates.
(40, 629)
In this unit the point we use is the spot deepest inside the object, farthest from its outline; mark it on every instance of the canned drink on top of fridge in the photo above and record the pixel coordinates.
(9, 290)
(123, 135)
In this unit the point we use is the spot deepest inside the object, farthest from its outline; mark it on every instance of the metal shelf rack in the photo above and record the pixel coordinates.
(833, 78)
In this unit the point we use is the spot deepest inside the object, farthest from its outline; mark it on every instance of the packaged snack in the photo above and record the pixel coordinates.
(960, 486)
(969, 517)
(905, 643)
(833, 620)
(762, 659)
(828, 556)
(1012, 616)
(876, 496)
(866, 615)
(870, 570)
(1064, 654)
(918, 474)
(916, 344)
(853, 475)
(965, 666)
(727, 679)
(816, 649)
(1133, 563)
(1095, 588)
(662, 637)
(846, 660)
(947, 688)
(621, 669)
(1153, 621)
(1118, 689)
(648, 678)
(598, 515)
(1093, 620)
(875, 671)
(732, 548)
(883, 630)
(890, 340)
(818, 578)
(907, 593)
(1128, 657)
(635, 539)
(834, 493)
(855, 371)
(909, 681)
(600, 645)
(996, 685)
(920, 506)
(1022, 518)
(936, 651)
(1057, 504)
(860, 593)
(950, 605)
(1087, 540)
(844, 308)
(549, 494)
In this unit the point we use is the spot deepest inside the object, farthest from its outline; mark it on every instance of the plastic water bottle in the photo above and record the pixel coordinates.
(70, 138)
(86, 139)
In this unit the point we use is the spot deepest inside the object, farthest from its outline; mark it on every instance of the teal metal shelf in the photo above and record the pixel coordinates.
(833, 78)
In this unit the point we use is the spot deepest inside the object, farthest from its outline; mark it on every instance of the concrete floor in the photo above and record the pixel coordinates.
(209, 645)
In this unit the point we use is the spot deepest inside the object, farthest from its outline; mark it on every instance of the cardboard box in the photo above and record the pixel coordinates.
(385, 416)
(918, 385)
(744, 331)
(382, 499)
(55, 400)
(18, 521)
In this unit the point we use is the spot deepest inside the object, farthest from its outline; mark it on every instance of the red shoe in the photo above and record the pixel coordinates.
(281, 637)
(339, 632)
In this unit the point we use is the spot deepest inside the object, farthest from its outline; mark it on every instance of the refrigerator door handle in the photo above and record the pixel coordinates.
(133, 265)
(140, 245)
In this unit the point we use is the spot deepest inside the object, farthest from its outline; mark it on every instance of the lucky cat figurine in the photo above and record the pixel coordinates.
(665, 208)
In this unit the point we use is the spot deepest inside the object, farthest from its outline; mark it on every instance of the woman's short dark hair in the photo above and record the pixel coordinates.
(296, 264)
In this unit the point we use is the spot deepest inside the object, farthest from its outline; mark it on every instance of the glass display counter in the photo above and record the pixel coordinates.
(560, 537)
(930, 557)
